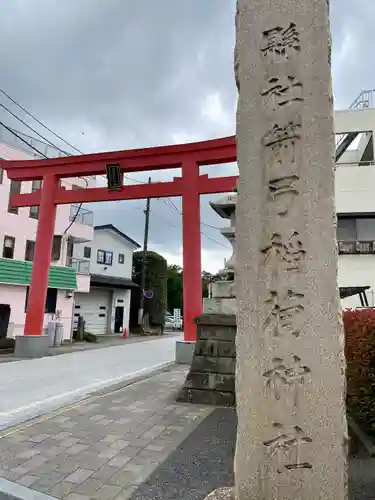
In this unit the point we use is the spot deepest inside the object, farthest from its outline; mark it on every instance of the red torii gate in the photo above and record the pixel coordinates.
(188, 157)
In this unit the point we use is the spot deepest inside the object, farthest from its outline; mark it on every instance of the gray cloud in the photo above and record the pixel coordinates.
(119, 74)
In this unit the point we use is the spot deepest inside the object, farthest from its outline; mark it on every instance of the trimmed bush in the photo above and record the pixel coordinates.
(156, 280)
(360, 357)
(6, 343)
(90, 337)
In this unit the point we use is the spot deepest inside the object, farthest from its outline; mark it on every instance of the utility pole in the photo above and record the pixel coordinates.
(144, 259)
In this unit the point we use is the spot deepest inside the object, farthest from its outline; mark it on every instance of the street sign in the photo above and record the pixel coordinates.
(177, 318)
(148, 294)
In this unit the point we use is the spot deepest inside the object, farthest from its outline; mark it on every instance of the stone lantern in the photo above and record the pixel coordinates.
(222, 297)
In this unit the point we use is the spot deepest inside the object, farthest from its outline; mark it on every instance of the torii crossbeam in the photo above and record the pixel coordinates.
(188, 157)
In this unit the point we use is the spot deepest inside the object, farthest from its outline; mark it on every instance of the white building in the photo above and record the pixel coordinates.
(106, 308)
(17, 239)
(355, 201)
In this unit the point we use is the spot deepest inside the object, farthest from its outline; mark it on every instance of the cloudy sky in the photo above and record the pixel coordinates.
(119, 74)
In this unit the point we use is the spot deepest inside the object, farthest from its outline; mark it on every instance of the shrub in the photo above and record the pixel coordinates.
(90, 337)
(360, 357)
(6, 343)
(156, 280)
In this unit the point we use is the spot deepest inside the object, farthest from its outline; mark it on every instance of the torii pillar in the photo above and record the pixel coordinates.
(33, 343)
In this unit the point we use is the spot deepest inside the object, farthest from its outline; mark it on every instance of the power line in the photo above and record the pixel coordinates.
(35, 131)
(42, 154)
(209, 237)
(23, 140)
(179, 211)
(172, 224)
(40, 122)
(172, 205)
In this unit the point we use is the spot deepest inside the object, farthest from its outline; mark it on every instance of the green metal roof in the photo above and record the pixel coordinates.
(18, 272)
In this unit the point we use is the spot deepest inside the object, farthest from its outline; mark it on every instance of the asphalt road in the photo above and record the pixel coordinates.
(32, 387)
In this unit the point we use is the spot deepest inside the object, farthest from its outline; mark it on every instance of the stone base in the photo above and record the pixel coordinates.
(222, 290)
(184, 352)
(227, 306)
(211, 379)
(31, 346)
(221, 494)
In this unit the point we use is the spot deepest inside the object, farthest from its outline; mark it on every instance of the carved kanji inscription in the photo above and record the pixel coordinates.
(285, 307)
(282, 193)
(280, 43)
(281, 144)
(286, 376)
(286, 446)
(281, 91)
(287, 253)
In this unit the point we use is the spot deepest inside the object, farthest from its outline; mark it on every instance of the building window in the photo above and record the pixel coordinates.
(87, 252)
(34, 211)
(121, 258)
(51, 300)
(351, 229)
(347, 229)
(15, 188)
(30, 249)
(104, 257)
(56, 248)
(8, 248)
(1, 175)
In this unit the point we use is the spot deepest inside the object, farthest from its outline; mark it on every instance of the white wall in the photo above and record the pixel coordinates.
(357, 270)
(354, 120)
(109, 241)
(15, 296)
(354, 187)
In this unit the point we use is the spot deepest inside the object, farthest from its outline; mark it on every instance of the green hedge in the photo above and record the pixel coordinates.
(360, 358)
(156, 281)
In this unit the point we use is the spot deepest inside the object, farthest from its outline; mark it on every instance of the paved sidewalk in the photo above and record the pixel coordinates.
(32, 387)
(102, 448)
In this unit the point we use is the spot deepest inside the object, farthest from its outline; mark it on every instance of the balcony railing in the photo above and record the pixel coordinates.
(359, 164)
(26, 143)
(81, 215)
(356, 247)
(82, 266)
(364, 100)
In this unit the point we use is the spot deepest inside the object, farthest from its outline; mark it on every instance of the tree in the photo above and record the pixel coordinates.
(156, 281)
(175, 295)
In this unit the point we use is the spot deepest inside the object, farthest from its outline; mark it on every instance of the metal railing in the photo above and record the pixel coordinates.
(358, 164)
(81, 215)
(363, 101)
(81, 266)
(46, 149)
(26, 145)
(356, 247)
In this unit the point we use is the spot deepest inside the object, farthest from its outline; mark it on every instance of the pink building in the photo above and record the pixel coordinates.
(17, 239)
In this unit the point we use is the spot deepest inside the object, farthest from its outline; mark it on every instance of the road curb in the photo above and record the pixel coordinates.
(16, 491)
(85, 393)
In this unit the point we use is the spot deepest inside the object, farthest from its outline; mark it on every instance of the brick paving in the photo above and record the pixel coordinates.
(104, 447)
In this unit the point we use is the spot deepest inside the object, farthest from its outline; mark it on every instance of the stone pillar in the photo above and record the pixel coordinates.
(290, 374)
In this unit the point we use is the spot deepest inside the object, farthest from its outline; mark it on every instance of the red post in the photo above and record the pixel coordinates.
(42, 257)
(191, 237)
